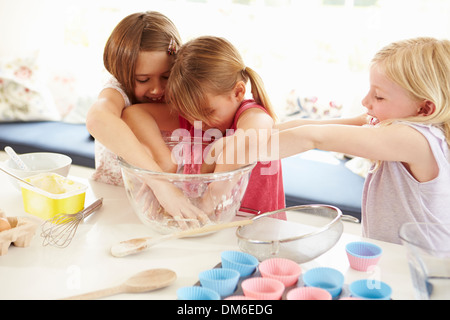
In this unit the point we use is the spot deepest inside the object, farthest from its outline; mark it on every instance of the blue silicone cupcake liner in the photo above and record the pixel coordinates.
(223, 281)
(329, 279)
(197, 293)
(362, 249)
(370, 289)
(242, 262)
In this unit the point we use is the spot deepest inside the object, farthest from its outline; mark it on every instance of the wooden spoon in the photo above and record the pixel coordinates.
(141, 282)
(131, 246)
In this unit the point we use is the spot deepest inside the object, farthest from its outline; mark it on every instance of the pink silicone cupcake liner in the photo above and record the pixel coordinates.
(284, 270)
(239, 297)
(308, 293)
(362, 255)
(263, 288)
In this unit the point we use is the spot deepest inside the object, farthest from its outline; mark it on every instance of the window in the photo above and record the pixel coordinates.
(316, 47)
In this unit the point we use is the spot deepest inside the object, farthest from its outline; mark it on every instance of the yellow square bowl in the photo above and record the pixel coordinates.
(52, 194)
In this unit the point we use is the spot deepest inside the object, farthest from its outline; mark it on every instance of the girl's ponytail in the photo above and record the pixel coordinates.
(258, 90)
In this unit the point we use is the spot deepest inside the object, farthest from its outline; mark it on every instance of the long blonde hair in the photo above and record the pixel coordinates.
(422, 67)
(209, 65)
(142, 31)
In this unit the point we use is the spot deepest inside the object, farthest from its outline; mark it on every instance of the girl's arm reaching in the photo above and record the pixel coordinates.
(356, 121)
(146, 121)
(395, 142)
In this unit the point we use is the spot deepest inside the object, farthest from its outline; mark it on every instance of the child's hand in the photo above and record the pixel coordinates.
(174, 202)
(219, 197)
(179, 207)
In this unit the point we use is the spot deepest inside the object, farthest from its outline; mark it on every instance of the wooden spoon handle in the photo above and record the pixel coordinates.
(132, 246)
(211, 228)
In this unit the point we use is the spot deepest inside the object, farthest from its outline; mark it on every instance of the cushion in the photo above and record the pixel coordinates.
(50, 136)
(318, 177)
(311, 107)
(23, 93)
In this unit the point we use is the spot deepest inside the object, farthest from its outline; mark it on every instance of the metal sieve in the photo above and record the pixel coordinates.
(307, 232)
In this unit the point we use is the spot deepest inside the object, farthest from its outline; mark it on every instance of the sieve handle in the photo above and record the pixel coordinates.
(349, 218)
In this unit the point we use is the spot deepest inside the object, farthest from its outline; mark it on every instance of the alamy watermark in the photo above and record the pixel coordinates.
(236, 147)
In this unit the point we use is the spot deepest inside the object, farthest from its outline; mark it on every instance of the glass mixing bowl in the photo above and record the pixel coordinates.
(196, 187)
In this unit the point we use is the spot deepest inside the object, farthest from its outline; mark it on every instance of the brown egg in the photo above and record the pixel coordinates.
(4, 224)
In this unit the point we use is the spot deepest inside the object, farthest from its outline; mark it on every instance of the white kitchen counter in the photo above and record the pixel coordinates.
(45, 272)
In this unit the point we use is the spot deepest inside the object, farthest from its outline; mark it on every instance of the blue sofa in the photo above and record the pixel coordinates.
(322, 179)
(306, 180)
(50, 136)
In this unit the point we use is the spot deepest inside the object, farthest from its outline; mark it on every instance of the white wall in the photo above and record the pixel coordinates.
(319, 50)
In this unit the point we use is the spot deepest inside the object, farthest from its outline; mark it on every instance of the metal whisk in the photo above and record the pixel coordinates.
(60, 230)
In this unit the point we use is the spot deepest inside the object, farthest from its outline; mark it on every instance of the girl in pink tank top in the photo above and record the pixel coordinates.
(207, 86)
(265, 190)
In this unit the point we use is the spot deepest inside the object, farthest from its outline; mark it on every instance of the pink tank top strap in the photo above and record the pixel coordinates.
(245, 105)
(184, 124)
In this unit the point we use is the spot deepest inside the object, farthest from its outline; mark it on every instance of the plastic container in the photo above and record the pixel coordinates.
(223, 281)
(242, 262)
(263, 288)
(308, 293)
(361, 255)
(329, 279)
(284, 270)
(52, 195)
(197, 293)
(370, 289)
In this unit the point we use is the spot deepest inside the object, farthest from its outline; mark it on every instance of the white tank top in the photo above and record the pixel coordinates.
(107, 169)
(392, 196)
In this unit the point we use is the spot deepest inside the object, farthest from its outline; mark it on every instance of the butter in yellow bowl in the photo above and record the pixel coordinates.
(52, 194)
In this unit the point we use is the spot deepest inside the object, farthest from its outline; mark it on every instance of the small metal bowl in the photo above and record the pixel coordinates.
(307, 232)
